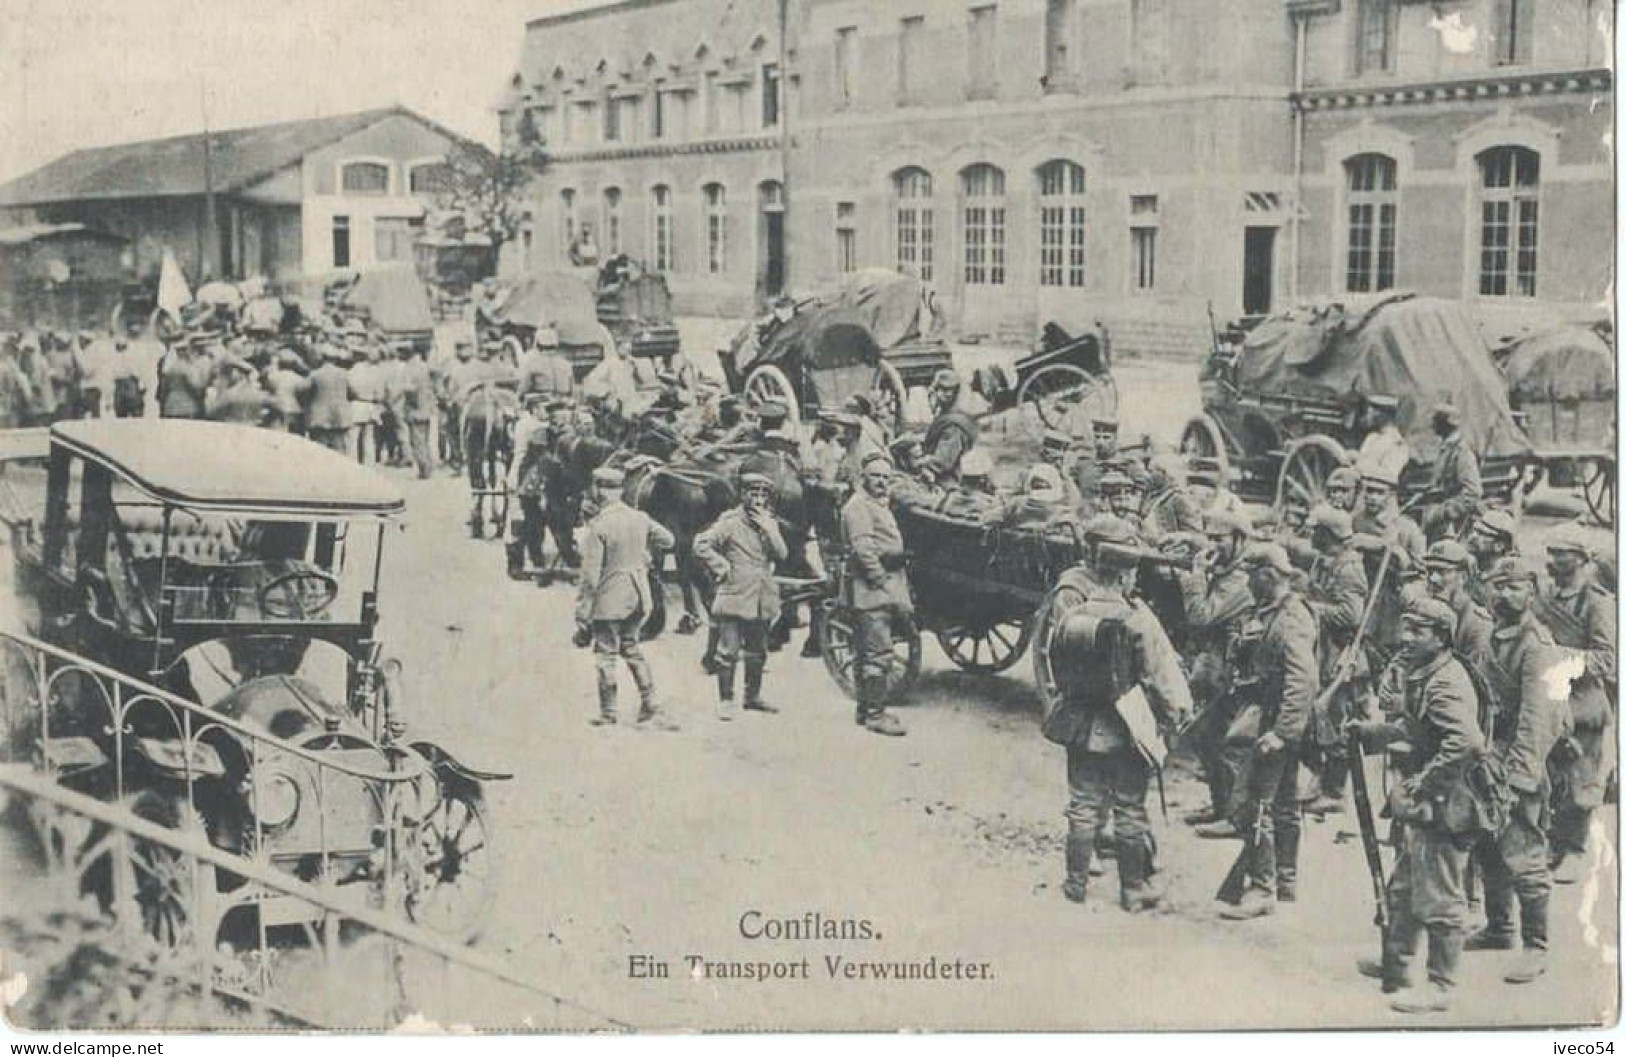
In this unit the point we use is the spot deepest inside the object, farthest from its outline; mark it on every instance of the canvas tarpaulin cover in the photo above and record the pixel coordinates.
(890, 307)
(646, 299)
(556, 298)
(1419, 350)
(393, 298)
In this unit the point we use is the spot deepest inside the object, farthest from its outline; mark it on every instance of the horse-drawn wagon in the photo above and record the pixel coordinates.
(878, 334)
(1292, 402)
(636, 306)
(201, 647)
(554, 299)
(1067, 380)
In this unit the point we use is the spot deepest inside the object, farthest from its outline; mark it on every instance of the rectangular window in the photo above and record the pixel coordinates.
(846, 45)
(916, 234)
(365, 178)
(1060, 236)
(982, 53)
(984, 245)
(1145, 258)
(770, 96)
(908, 58)
(846, 237)
(657, 114)
(713, 105)
(1514, 31)
(1058, 29)
(1374, 42)
(1509, 222)
(341, 242)
(612, 120)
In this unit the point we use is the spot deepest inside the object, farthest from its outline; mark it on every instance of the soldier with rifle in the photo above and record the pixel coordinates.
(1581, 617)
(1529, 722)
(1277, 678)
(1429, 723)
(1337, 595)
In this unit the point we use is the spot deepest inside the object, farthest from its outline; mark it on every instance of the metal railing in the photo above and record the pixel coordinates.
(358, 967)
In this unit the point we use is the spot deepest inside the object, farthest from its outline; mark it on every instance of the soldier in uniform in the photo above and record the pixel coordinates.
(877, 591)
(1529, 722)
(1581, 617)
(614, 592)
(1120, 495)
(1343, 488)
(1449, 579)
(1105, 644)
(1277, 678)
(1168, 509)
(546, 370)
(1456, 490)
(239, 397)
(1384, 448)
(740, 549)
(1380, 528)
(951, 433)
(1217, 602)
(1094, 461)
(1056, 451)
(531, 442)
(1336, 594)
(1432, 714)
(1494, 536)
(327, 411)
(183, 380)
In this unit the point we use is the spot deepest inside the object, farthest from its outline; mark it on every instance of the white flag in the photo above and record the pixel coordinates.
(173, 294)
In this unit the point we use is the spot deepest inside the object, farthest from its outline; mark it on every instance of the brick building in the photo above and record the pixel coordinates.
(1131, 161)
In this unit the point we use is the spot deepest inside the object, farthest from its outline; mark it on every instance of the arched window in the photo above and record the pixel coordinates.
(567, 222)
(914, 222)
(364, 178)
(982, 225)
(612, 220)
(660, 234)
(716, 228)
(1509, 221)
(1060, 224)
(429, 178)
(1373, 211)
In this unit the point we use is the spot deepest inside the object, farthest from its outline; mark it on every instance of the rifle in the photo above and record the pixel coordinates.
(1368, 828)
(1345, 662)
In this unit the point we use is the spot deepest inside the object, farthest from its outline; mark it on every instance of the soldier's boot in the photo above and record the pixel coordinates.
(1080, 853)
(725, 692)
(1444, 959)
(813, 644)
(884, 723)
(516, 560)
(1394, 967)
(754, 667)
(1497, 934)
(1254, 903)
(1219, 829)
(1532, 965)
(1286, 865)
(606, 701)
(1203, 817)
(1136, 891)
(872, 714)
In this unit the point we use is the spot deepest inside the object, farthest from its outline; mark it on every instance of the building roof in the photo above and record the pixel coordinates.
(243, 469)
(163, 168)
(26, 233)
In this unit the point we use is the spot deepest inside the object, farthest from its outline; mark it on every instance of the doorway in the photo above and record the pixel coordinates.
(1258, 271)
(770, 274)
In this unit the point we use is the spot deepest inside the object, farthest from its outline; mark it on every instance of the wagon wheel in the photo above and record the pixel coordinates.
(986, 649)
(766, 383)
(1307, 464)
(451, 873)
(1202, 439)
(890, 395)
(1597, 485)
(1062, 390)
(840, 658)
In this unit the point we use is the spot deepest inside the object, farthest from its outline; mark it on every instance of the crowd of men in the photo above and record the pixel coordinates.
(1302, 640)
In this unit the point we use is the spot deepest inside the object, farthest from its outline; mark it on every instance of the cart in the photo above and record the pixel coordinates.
(1288, 405)
(557, 299)
(1065, 381)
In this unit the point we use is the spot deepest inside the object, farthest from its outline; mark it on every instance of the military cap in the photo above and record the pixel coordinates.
(1568, 537)
(877, 459)
(558, 404)
(234, 363)
(747, 481)
(1385, 403)
(1510, 569)
(1497, 522)
(1376, 473)
(354, 328)
(1105, 423)
(545, 338)
(1054, 438)
(772, 411)
(1268, 556)
(533, 398)
(1335, 521)
(946, 378)
(858, 404)
(1448, 411)
(1114, 539)
(843, 419)
(1117, 481)
(1223, 521)
(1430, 612)
(608, 477)
(1344, 475)
(1448, 554)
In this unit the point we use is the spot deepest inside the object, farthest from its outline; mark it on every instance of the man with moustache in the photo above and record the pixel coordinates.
(877, 591)
(740, 549)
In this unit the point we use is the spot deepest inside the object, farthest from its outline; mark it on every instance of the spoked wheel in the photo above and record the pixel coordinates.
(451, 879)
(1597, 485)
(1062, 392)
(986, 649)
(766, 383)
(1201, 439)
(890, 396)
(1308, 463)
(840, 656)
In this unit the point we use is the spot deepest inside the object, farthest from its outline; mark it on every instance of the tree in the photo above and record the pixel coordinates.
(489, 189)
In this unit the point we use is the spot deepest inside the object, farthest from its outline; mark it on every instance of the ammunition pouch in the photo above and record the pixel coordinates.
(893, 562)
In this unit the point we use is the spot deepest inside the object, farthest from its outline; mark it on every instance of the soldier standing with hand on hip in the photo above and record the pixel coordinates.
(740, 549)
(614, 596)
